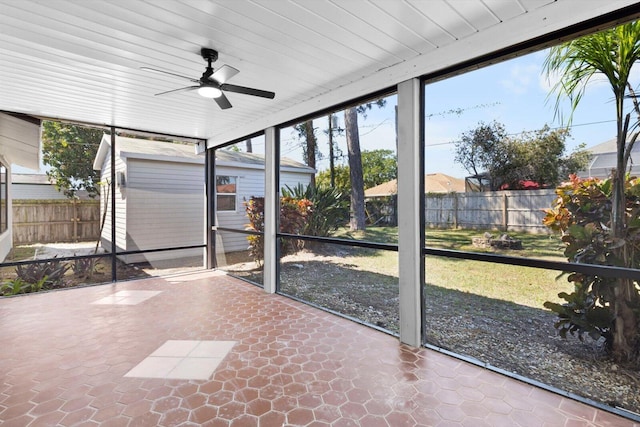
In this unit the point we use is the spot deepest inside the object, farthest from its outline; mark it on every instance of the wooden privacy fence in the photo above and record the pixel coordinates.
(48, 221)
(501, 210)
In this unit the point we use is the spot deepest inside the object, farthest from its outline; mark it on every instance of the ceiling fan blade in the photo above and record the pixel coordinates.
(182, 89)
(224, 73)
(223, 102)
(154, 70)
(248, 91)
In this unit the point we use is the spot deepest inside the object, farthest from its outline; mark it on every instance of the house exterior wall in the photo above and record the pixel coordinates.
(36, 192)
(165, 208)
(160, 204)
(250, 184)
(19, 141)
(6, 238)
(19, 144)
(121, 206)
(41, 192)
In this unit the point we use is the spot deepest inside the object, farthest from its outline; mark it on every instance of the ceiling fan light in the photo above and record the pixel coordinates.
(209, 92)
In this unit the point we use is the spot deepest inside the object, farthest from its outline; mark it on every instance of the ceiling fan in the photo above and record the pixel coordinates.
(213, 84)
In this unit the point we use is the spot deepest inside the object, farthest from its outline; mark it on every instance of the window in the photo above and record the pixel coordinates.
(226, 192)
(3, 199)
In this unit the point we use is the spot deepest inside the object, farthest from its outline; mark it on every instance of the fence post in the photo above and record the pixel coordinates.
(455, 211)
(505, 213)
(75, 220)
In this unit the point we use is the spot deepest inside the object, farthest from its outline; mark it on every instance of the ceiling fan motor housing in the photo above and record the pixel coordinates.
(209, 54)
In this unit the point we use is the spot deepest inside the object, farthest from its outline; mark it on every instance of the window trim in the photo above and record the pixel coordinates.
(235, 194)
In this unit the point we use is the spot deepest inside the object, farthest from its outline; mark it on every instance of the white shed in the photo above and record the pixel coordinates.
(160, 190)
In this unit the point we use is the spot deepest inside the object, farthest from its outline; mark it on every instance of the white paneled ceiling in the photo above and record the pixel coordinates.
(81, 60)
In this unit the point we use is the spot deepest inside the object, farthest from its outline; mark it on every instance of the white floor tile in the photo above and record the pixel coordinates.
(132, 297)
(154, 367)
(195, 368)
(183, 359)
(212, 349)
(176, 348)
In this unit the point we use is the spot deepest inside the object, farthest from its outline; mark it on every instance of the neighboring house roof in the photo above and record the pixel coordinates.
(433, 183)
(135, 148)
(388, 188)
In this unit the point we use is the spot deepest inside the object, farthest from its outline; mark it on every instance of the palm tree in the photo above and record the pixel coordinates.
(612, 54)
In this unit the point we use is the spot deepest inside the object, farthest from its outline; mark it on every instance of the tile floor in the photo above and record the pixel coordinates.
(66, 361)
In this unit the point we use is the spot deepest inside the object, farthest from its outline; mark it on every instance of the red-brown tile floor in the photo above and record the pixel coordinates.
(63, 361)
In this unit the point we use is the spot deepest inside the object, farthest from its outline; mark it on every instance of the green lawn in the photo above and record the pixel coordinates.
(521, 285)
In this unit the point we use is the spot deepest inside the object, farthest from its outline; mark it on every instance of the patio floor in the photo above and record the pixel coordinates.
(207, 349)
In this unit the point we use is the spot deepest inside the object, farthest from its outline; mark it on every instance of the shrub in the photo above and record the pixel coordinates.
(582, 214)
(293, 215)
(330, 209)
(255, 212)
(84, 267)
(19, 286)
(50, 272)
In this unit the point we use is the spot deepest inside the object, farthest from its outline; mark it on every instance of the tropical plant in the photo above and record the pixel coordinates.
(255, 212)
(84, 267)
(582, 213)
(293, 215)
(51, 272)
(611, 54)
(18, 286)
(330, 209)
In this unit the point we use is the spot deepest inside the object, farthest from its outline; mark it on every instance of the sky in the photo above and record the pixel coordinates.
(514, 93)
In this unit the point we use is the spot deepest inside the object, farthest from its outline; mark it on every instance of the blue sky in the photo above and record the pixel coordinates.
(514, 93)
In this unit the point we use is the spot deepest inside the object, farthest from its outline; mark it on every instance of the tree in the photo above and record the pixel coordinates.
(357, 213)
(70, 151)
(357, 221)
(611, 54)
(341, 179)
(307, 132)
(378, 166)
(478, 149)
(514, 162)
(540, 157)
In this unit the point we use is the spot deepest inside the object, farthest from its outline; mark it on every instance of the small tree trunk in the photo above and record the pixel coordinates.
(332, 168)
(311, 149)
(357, 218)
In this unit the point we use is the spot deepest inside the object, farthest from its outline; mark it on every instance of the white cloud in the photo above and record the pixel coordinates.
(521, 77)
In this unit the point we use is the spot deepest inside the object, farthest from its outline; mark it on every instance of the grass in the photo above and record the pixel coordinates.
(534, 245)
(19, 253)
(521, 285)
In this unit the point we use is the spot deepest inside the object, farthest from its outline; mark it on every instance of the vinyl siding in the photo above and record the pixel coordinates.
(161, 205)
(121, 207)
(165, 208)
(250, 183)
